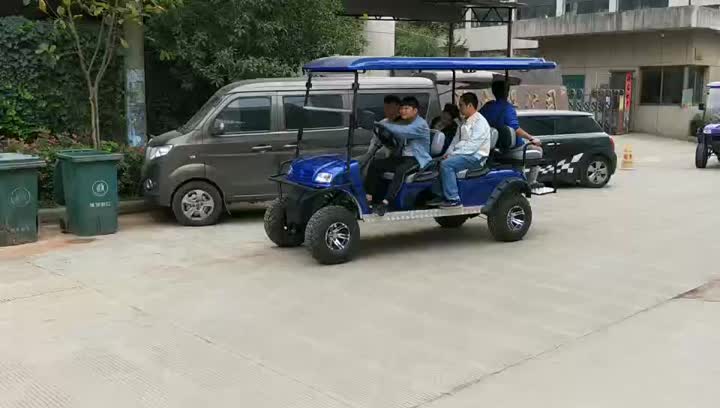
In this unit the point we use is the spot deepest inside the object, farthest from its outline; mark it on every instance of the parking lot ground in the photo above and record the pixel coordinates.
(591, 309)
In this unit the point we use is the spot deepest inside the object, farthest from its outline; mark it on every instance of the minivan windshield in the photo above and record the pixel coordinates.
(195, 120)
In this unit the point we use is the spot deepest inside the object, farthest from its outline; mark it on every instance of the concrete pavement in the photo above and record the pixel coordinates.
(577, 314)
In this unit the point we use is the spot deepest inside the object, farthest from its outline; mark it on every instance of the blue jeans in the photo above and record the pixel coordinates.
(448, 173)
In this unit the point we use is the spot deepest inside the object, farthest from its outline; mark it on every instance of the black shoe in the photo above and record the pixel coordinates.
(536, 185)
(435, 202)
(451, 204)
(380, 209)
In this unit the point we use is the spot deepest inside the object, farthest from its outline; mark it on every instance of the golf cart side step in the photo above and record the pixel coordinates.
(420, 214)
(543, 191)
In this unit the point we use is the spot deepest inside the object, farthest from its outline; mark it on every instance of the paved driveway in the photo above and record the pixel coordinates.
(164, 316)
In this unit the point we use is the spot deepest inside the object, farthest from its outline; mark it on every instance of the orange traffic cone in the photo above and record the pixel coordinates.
(627, 160)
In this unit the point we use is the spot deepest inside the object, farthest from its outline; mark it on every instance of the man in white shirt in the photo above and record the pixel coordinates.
(470, 150)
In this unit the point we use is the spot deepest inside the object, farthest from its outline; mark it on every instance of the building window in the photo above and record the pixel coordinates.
(671, 85)
(625, 5)
(586, 6)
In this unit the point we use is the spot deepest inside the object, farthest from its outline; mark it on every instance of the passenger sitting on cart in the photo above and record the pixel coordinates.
(413, 133)
(470, 150)
(501, 112)
(447, 123)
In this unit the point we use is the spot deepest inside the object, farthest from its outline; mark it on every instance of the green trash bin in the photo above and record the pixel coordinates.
(18, 198)
(87, 180)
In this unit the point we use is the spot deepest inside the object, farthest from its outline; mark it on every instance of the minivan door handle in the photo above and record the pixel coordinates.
(261, 148)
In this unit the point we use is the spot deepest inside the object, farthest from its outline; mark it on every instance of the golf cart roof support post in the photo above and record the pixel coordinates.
(308, 86)
(509, 45)
(453, 88)
(353, 120)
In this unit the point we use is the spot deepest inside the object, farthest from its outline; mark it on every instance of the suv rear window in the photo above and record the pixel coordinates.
(538, 125)
(576, 124)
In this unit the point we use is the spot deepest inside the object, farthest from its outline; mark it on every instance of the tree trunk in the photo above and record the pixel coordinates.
(94, 117)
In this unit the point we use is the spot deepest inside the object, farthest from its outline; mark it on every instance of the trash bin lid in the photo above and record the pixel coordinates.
(14, 161)
(88, 155)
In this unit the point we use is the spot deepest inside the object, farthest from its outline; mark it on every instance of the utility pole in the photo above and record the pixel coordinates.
(135, 108)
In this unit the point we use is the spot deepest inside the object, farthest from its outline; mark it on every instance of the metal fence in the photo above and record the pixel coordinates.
(609, 106)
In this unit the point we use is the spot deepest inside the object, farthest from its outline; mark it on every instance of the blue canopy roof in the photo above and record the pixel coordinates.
(351, 64)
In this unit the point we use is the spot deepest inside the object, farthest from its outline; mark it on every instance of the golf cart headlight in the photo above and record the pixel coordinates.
(159, 151)
(323, 178)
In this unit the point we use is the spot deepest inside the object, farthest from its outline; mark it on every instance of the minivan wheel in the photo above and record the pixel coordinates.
(197, 204)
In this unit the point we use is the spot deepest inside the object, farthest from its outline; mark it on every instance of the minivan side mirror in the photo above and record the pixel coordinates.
(218, 127)
(701, 106)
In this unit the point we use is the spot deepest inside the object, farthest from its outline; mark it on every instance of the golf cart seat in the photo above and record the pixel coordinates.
(437, 140)
(507, 153)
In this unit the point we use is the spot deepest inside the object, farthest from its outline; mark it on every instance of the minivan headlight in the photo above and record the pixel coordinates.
(323, 178)
(158, 151)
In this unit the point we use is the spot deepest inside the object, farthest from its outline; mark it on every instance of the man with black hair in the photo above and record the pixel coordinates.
(413, 133)
(501, 112)
(391, 113)
(470, 150)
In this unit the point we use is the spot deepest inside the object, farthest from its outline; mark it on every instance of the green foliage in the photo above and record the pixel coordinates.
(41, 87)
(47, 146)
(226, 40)
(421, 39)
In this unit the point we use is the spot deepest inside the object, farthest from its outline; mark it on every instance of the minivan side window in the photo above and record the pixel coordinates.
(537, 125)
(293, 108)
(576, 124)
(374, 102)
(246, 114)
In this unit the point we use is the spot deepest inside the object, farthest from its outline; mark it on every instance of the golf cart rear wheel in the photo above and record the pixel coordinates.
(455, 221)
(702, 153)
(332, 235)
(511, 217)
(276, 225)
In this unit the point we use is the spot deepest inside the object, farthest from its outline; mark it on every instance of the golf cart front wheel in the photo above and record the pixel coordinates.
(702, 153)
(511, 218)
(332, 235)
(276, 226)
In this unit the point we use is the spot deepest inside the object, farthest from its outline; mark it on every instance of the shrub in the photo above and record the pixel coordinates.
(47, 146)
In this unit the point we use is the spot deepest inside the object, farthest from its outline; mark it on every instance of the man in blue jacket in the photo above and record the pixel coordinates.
(413, 133)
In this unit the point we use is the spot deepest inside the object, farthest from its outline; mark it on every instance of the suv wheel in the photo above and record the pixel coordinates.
(332, 235)
(511, 217)
(595, 173)
(197, 204)
(276, 228)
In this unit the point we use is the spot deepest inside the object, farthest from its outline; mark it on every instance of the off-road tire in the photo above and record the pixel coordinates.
(499, 219)
(702, 154)
(276, 228)
(319, 226)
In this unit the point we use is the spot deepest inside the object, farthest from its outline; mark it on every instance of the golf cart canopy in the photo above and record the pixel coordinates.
(358, 64)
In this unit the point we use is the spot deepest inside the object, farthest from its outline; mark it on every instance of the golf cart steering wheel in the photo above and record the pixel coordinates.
(386, 137)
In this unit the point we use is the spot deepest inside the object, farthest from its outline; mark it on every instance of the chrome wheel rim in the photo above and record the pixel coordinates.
(597, 172)
(197, 205)
(516, 218)
(337, 236)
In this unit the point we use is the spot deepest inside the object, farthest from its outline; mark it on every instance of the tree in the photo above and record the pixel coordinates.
(424, 39)
(94, 61)
(228, 40)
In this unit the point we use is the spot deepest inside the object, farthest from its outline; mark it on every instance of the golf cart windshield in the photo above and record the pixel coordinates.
(713, 101)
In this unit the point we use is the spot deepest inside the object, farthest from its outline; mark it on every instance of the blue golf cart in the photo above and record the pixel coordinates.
(322, 197)
(709, 135)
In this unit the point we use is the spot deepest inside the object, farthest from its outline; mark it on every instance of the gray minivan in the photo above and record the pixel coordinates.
(228, 149)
